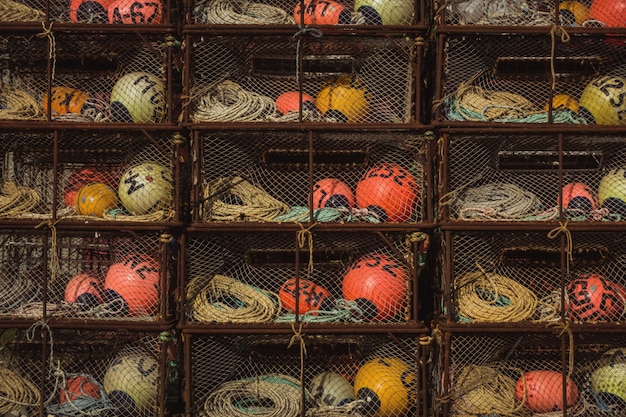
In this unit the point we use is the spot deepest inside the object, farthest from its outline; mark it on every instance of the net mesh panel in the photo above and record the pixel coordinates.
(365, 79)
(507, 78)
(259, 360)
(258, 266)
(133, 263)
(137, 168)
(508, 276)
(315, 12)
(508, 13)
(85, 11)
(99, 78)
(484, 370)
(278, 165)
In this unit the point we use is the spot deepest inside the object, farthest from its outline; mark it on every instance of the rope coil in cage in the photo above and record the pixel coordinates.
(229, 101)
(17, 200)
(13, 11)
(272, 395)
(17, 104)
(487, 297)
(241, 12)
(501, 201)
(233, 198)
(16, 391)
(17, 291)
(482, 390)
(226, 300)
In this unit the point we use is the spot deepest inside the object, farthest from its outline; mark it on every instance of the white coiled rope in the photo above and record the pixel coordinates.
(227, 101)
(256, 203)
(500, 201)
(274, 395)
(242, 13)
(226, 300)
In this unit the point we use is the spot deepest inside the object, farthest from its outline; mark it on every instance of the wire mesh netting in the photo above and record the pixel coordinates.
(130, 12)
(532, 177)
(524, 375)
(95, 78)
(267, 176)
(240, 278)
(97, 276)
(341, 375)
(84, 372)
(308, 12)
(508, 79)
(505, 277)
(345, 80)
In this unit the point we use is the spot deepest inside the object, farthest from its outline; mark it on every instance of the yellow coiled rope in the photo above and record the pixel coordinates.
(227, 101)
(13, 11)
(481, 390)
(16, 391)
(19, 105)
(17, 200)
(256, 204)
(239, 12)
(273, 395)
(244, 303)
(488, 297)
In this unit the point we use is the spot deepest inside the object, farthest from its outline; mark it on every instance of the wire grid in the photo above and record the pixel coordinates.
(21, 375)
(84, 11)
(90, 372)
(355, 80)
(508, 78)
(483, 373)
(94, 78)
(315, 12)
(504, 277)
(254, 268)
(113, 176)
(134, 263)
(257, 358)
(502, 177)
(277, 164)
(505, 13)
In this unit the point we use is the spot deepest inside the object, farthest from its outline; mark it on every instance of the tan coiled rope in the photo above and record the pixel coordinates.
(272, 395)
(257, 205)
(17, 200)
(207, 305)
(13, 11)
(227, 101)
(238, 12)
(16, 391)
(18, 104)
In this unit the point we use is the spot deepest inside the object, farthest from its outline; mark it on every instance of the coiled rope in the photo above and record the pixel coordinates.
(226, 300)
(350, 409)
(243, 201)
(16, 391)
(16, 104)
(239, 12)
(328, 214)
(501, 201)
(272, 395)
(13, 11)
(345, 310)
(16, 291)
(16, 200)
(227, 101)
(481, 390)
(473, 103)
(482, 296)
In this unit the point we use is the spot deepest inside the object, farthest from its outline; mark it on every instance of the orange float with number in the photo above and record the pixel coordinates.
(64, 100)
(310, 296)
(332, 192)
(322, 12)
(135, 12)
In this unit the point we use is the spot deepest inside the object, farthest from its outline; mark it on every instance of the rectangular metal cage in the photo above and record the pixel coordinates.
(270, 176)
(119, 77)
(529, 78)
(86, 371)
(272, 369)
(97, 276)
(367, 79)
(244, 278)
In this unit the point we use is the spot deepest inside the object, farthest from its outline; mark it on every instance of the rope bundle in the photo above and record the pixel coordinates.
(227, 101)
(16, 391)
(328, 214)
(226, 300)
(16, 104)
(349, 409)
(481, 390)
(256, 204)
(500, 201)
(487, 297)
(242, 13)
(16, 291)
(17, 200)
(274, 395)
(474, 103)
(13, 11)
